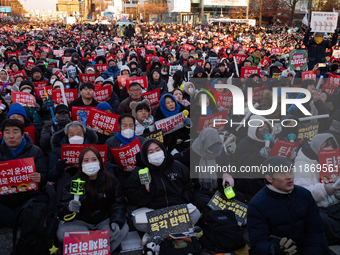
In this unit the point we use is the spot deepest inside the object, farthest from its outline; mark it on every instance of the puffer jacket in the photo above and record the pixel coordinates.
(111, 72)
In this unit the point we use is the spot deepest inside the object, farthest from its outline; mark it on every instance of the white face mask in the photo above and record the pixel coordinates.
(127, 133)
(76, 140)
(191, 90)
(90, 169)
(27, 90)
(156, 158)
(164, 73)
(52, 81)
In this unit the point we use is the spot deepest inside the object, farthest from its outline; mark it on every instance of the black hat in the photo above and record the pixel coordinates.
(86, 84)
(61, 108)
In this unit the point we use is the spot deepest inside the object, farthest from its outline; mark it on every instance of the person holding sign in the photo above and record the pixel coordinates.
(282, 213)
(14, 145)
(102, 206)
(326, 195)
(86, 96)
(170, 184)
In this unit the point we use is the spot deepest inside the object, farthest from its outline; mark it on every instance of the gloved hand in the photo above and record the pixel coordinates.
(330, 189)
(283, 247)
(60, 166)
(115, 229)
(74, 206)
(187, 122)
(264, 152)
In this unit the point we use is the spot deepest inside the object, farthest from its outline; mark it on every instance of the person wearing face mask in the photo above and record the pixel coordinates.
(252, 151)
(62, 118)
(58, 170)
(170, 184)
(189, 90)
(103, 205)
(112, 70)
(255, 58)
(289, 129)
(145, 122)
(125, 135)
(317, 46)
(326, 196)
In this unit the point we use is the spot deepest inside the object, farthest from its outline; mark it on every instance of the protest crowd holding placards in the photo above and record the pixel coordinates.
(111, 123)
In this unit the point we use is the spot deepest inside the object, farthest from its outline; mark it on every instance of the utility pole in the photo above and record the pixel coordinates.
(202, 11)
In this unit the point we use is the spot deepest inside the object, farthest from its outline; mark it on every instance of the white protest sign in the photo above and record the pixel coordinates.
(324, 22)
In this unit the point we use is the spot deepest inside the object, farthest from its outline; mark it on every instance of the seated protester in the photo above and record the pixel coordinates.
(145, 122)
(99, 80)
(178, 94)
(177, 81)
(168, 106)
(86, 96)
(133, 67)
(156, 82)
(37, 75)
(289, 131)
(102, 207)
(255, 58)
(207, 68)
(164, 190)
(252, 151)
(135, 95)
(188, 91)
(125, 70)
(62, 118)
(58, 170)
(326, 196)
(35, 113)
(100, 60)
(284, 210)
(89, 69)
(327, 100)
(216, 73)
(224, 71)
(4, 77)
(125, 135)
(107, 108)
(199, 72)
(53, 78)
(14, 144)
(113, 101)
(112, 70)
(46, 73)
(165, 73)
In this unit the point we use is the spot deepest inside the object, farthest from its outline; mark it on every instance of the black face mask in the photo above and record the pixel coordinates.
(261, 133)
(62, 119)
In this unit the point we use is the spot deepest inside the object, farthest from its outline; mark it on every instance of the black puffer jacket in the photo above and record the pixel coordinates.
(152, 85)
(170, 184)
(103, 208)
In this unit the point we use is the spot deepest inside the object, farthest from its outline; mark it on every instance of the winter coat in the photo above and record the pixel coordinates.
(254, 60)
(152, 85)
(46, 134)
(124, 106)
(114, 102)
(79, 102)
(140, 128)
(111, 72)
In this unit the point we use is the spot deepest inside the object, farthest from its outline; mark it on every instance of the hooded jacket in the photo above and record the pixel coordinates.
(7, 77)
(254, 60)
(152, 84)
(111, 72)
(170, 183)
(199, 69)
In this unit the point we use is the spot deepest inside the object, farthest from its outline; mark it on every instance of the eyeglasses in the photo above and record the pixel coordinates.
(135, 90)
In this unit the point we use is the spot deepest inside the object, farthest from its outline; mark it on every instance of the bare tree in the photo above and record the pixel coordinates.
(291, 4)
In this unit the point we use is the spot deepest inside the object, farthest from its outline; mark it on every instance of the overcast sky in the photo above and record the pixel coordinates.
(39, 4)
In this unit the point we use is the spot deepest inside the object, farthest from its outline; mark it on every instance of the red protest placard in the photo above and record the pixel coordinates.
(283, 148)
(45, 49)
(18, 73)
(188, 47)
(39, 91)
(60, 75)
(276, 50)
(52, 65)
(170, 124)
(32, 48)
(265, 62)
(90, 59)
(77, 109)
(240, 57)
(83, 77)
(11, 54)
(71, 152)
(329, 89)
(70, 94)
(122, 80)
(333, 80)
(102, 94)
(40, 83)
(329, 161)
(247, 71)
(258, 93)
(126, 155)
(87, 242)
(150, 47)
(208, 121)
(23, 98)
(308, 75)
(153, 96)
(103, 122)
(227, 100)
(100, 67)
(148, 58)
(14, 176)
(30, 131)
(110, 57)
(58, 53)
(36, 54)
(29, 65)
(142, 80)
(199, 62)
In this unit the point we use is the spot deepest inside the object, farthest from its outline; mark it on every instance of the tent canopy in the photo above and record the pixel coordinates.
(124, 21)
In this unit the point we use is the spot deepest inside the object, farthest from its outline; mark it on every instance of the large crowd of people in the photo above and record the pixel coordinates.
(64, 69)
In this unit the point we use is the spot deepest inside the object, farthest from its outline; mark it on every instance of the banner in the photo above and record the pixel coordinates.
(283, 148)
(218, 202)
(29, 65)
(87, 242)
(102, 122)
(258, 93)
(247, 71)
(240, 58)
(227, 100)
(333, 80)
(329, 161)
(308, 130)
(58, 53)
(39, 91)
(14, 176)
(100, 67)
(308, 75)
(77, 109)
(208, 121)
(169, 220)
(18, 73)
(329, 89)
(71, 152)
(70, 94)
(23, 98)
(102, 94)
(142, 80)
(275, 50)
(60, 75)
(188, 47)
(153, 96)
(265, 62)
(298, 60)
(158, 134)
(125, 156)
(324, 22)
(122, 80)
(171, 124)
(39, 83)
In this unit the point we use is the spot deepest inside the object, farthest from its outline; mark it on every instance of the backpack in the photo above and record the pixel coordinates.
(221, 233)
(38, 229)
(167, 247)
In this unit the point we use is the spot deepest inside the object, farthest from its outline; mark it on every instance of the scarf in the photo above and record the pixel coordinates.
(124, 140)
(167, 113)
(18, 150)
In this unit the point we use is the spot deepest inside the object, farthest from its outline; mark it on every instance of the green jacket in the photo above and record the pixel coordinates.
(254, 60)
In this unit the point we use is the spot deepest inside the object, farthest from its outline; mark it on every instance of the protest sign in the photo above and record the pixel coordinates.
(208, 121)
(122, 80)
(23, 59)
(265, 62)
(247, 71)
(275, 50)
(188, 47)
(158, 134)
(329, 161)
(219, 202)
(102, 94)
(30, 131)
(226, 99)
(174, 69)
(258, 93)
(71, 152)
(58, 53)
(329, 89)
(39, 83)
(199, 62)
(333, 80)
(39, 91)
(14, 176)
(142, 80)
(324, 22)
(308, 75)
(298, 60)
(87, 242)
(23, 98)
(83, 77)
(70, 94)
(170, 124)
(240, 58)
(213, 62)
(18, 73)
(90, 59)
(103, 122)
(153, 96)
(283, 148)
(169, 220)
(149, 58)
(29, 65)
(100, 67)
(308, 130)
(60, 75)
(125, 156)
(77, 109)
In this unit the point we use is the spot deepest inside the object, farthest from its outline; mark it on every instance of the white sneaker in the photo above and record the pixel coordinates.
(145, 239)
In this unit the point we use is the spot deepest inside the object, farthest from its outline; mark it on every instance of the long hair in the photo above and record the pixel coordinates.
(89, 189)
